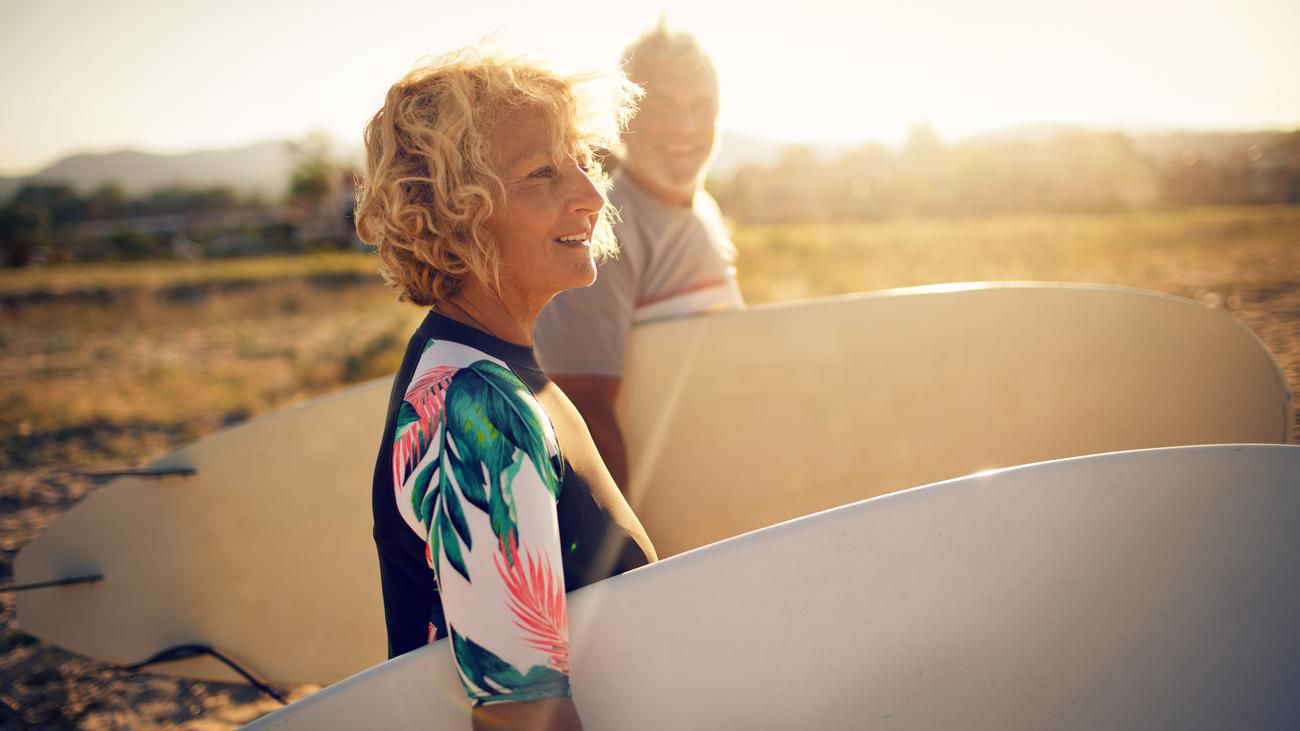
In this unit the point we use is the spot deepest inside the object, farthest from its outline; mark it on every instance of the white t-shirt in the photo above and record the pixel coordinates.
(673, 261)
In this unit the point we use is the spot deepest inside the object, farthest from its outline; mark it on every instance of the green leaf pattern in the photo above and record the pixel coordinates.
(488, 678)
(489, 423)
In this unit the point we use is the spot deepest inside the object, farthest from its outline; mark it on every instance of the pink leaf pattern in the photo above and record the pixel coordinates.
(536, 596)
(427, 395)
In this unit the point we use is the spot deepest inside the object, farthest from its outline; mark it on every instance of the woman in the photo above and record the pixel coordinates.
(490, 500)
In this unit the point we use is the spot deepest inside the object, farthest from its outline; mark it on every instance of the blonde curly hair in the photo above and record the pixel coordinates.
(428, 185)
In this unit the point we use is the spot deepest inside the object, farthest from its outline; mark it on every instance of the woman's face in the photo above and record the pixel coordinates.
(543, 232)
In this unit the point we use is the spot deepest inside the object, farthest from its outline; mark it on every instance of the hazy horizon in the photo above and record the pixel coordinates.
(342, 146)
(170, 79)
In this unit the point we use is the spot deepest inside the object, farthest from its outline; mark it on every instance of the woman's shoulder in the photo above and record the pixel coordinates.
(473, 371)
(467, 415)
(487, 405)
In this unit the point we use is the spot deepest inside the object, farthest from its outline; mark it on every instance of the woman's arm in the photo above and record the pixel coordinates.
(489, 503)
(547, 714)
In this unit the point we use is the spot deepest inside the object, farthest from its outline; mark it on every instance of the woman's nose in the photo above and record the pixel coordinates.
(586, 196)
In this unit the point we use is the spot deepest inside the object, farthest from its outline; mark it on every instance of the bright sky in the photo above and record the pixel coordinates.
(171, 76)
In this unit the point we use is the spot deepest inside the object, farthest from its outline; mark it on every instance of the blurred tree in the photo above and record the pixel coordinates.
(177, 198)
(133, 245)
(107, 201)
(923, 146)
(314, 172)
(23, 228)
(33, 217)
(59, 199)
(797, 157)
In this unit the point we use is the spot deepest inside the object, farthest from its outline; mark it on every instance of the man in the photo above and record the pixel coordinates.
(675, 255)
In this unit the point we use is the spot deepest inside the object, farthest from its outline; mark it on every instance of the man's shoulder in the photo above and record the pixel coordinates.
(706, 206)
(622, 191)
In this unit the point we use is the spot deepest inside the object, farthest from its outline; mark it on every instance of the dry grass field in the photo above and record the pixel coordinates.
(112, 366)
(1245, 261)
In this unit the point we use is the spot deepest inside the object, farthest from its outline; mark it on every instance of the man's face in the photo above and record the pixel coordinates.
(670, 140)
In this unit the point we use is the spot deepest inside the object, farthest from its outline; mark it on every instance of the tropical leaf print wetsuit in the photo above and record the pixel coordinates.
(490, 502)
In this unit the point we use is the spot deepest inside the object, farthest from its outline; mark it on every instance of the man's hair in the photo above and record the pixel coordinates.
(663, 48)
(429, 186)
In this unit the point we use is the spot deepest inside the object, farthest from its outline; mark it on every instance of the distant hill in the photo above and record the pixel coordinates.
(259, 168)
(264, 167)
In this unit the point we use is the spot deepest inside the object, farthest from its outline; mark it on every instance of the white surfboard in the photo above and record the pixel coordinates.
(1157, 589)
(813, 405)
(734, 421)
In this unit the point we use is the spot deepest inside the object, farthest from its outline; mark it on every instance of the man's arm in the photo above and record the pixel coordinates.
(594, 396)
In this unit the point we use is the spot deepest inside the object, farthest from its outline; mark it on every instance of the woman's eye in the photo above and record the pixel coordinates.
(544, 172)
